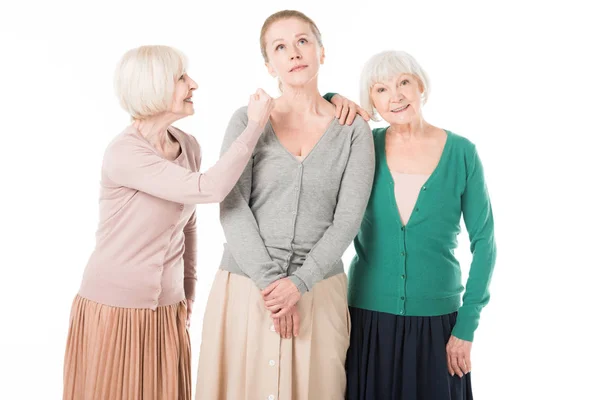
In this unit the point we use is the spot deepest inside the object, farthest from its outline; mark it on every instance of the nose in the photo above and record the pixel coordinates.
(295, 54)
(193, 84)
(397, 96)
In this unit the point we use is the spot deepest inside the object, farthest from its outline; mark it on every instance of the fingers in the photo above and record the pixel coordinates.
(344, 113)
(338, 111)
(455, 365)
(468, 364)
(274, 302)
(281, 313)
(277, 325)
(351, 115)
(364, 114)
(262, 94)
(282, 327)
(270, 288)
(462, 363)
(273, 309)
(296, 322)
(449, 362)
(289, 325)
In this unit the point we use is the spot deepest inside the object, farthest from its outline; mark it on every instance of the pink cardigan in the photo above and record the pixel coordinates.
(145, 253)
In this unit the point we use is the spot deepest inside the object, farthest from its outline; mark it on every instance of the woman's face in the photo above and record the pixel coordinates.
(293, 51)
(182, 105)
(398, 100)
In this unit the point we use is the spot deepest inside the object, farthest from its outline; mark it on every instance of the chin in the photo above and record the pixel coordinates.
(401, 119)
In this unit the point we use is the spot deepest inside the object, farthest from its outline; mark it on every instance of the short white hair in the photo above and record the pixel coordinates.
(145, 79)
(385, 66)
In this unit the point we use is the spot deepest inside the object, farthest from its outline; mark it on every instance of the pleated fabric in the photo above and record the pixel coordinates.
(243, 358)
(118, 353)
(394, 357)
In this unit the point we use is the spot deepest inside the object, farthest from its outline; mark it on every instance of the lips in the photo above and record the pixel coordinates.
(400, 109)
(298, 68)
(188, 100)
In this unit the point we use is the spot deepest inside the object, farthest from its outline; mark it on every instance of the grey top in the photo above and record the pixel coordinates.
(290, 217)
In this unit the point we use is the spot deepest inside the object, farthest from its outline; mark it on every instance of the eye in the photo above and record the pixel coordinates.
(302, 41)
(404, 82)
(279, 47)
(380, 90)
(182, 77)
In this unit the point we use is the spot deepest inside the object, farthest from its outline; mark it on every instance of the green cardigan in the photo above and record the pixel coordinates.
(411, 269)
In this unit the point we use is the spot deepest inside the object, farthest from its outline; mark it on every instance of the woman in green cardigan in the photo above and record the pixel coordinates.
(411, 336)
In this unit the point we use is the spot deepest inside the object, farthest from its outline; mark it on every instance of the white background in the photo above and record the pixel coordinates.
(520, 79)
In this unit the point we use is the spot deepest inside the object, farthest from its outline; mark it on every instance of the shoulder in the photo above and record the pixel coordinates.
(459, 141)
(360, 129)
(464, 151)
(460, 145)
(126, 142)
(125, 149)
(240, 115)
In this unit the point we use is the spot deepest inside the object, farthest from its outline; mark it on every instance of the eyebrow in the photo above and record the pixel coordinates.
(297, 35)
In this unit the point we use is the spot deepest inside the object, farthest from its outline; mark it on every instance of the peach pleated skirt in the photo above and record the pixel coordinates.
(127, 354)
(243, 358)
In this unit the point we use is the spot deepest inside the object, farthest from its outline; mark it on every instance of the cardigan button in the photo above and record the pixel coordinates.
(401, 312)
(403, 276)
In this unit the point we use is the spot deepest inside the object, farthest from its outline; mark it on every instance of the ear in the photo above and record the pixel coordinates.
(271, 70)
(322, 56)
(421, 86)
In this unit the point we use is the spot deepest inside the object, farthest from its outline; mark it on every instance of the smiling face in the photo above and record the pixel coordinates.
(293, 52)
(398, 100)
(182, 104)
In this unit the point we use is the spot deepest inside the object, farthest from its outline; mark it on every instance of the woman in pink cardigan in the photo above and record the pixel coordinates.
(127, 336)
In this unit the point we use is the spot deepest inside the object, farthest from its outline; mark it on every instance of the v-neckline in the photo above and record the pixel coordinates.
(293, 156)
(442, 159)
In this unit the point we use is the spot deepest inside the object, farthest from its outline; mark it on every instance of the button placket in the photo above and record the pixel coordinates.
(294, 213)
(402, 283)
(272, 356)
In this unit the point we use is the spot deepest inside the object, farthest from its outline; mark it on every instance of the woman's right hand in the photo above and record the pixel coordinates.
(288, 325)
(260, 106)
(346, 110)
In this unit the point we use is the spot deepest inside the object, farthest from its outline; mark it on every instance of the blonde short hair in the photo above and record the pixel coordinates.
(385, 66)
(145, 79)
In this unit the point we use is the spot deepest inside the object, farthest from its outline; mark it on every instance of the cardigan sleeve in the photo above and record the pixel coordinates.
(239, 224)
(190, 256)
(133, 163)
(479, 221)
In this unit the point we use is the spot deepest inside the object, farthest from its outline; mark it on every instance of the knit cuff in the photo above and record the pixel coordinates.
(299, 283)
(329, 96)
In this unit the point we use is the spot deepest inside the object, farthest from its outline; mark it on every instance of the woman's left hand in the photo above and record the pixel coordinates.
(280, 296)
(458, 355)
(190, 305)
(346, 110)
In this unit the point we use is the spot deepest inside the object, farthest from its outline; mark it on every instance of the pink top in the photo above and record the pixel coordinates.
(406, 190)
(145, 253)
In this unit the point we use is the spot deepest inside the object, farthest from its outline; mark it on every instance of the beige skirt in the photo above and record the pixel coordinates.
(243, 358)
(126, 353)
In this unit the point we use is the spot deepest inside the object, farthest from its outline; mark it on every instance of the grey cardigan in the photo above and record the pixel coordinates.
(286, 217)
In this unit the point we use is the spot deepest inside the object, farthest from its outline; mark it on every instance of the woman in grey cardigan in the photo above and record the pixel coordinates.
(276, 324)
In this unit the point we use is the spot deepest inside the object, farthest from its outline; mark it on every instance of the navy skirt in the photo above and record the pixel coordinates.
(392, 357)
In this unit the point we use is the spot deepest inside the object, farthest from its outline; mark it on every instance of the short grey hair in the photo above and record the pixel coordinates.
(145, 79)
(385, 66)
